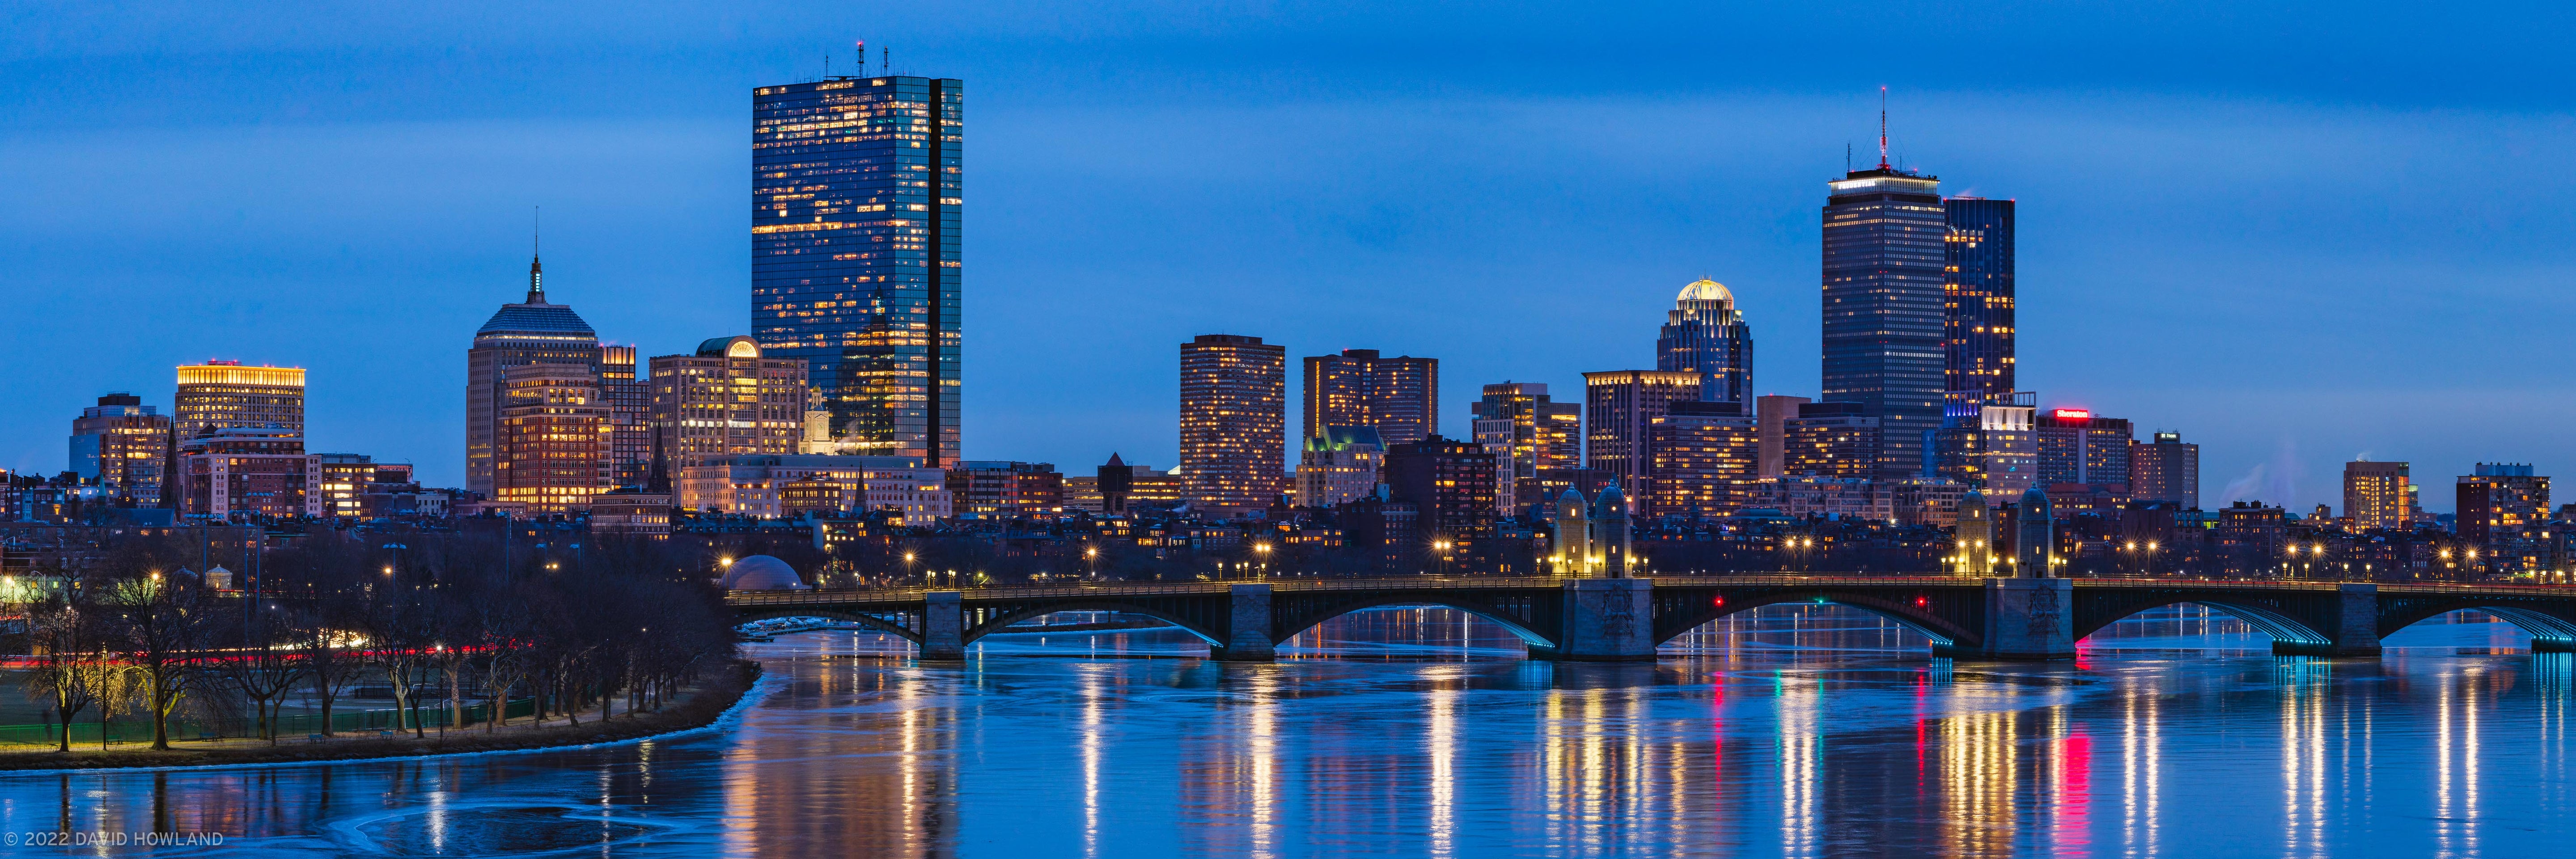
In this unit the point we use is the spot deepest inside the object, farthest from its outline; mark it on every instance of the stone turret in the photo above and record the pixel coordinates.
(1610, 531)
(2034, 536)
(1573, 535)
(1975, 535)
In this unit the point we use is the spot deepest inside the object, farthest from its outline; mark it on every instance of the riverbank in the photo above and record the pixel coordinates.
(696, 707)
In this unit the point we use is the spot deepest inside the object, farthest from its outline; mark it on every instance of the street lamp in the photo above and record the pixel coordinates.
(1263, 549)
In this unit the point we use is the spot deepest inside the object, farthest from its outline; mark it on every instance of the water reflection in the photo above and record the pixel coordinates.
(1793, 731)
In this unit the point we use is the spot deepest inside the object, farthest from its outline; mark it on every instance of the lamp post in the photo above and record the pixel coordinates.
(1091, 557)
(1262, 550)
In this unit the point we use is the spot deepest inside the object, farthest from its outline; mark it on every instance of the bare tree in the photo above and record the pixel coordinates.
(68, 658)
(163, 621)
(260, 665)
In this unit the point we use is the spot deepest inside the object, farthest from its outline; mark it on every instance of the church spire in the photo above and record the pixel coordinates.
(536, 267)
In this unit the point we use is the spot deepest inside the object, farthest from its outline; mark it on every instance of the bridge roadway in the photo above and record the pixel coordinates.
(1601, 619)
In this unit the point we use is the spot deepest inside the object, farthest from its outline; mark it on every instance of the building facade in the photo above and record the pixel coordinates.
(1451, 484)
(1003, 489)
(1701, 459)
(729, 398)
(856, 200)
(1528, 432)
(224, 394)
(120, 445)
(530, 332)
(555, 445)
(2499, 502)
(1977, 300)
(1884, 258)
(1829, 439)
(2166, 469)
(2379, 494)
(248, 471)
(1234, 422)
(1399, 396)
(1619, 408)
(764, 485)
(1704, 333)
(629, 399)
(2077, 446)
(1992, 445)
(1771, 414)
(1339, 466)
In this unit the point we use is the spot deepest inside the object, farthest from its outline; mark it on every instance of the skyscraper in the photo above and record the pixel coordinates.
(1399, 396)
(1831, 440)
(1704, 333)
(2378, 494)
(1451, 483)
(1977, 300)
(224, 394)
(1234, 423)
(629, 399)
(1619, 407)
(854, 247)
(530, 332)
(1530, 433)
(2165, 470)
(2076, 446)
(1884, 232)
(121, 444)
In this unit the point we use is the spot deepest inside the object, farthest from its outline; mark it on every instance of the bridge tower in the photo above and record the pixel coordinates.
(1610, 531)
(2034, 536)
(1975, 535)
(1573, 535)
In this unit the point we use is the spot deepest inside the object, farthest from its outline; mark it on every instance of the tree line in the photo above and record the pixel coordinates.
(442, 621)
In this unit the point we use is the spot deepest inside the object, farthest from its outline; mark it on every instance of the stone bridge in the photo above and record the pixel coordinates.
(1600, 619)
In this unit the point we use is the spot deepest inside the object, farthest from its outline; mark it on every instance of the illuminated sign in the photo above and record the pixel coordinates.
(2074, 415)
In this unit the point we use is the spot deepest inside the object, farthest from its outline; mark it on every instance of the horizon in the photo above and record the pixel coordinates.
(2293, 270)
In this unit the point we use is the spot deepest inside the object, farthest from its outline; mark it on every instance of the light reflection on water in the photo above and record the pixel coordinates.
(1797, 731)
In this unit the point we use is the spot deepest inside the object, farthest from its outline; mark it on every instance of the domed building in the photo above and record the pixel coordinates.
(1705, 334)
(761, 573)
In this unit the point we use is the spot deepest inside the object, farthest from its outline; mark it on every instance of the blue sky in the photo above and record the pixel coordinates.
(2296, 235)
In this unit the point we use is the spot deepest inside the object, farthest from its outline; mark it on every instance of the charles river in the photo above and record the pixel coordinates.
(1792, 731)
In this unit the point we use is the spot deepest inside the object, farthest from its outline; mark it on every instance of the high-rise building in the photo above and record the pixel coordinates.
(1829, 439)
(1339, 466)
(1529, 432)
(2378, 494)
(120, 444)
(730, 397)
(1883, 276)
(854, 247)
(1234, 423)
(2499, 501)
(629, 398)
(1399, 396)
(1619, 406)
(2166, 469)
(1704, 333)
(256, 470)
(554, 450)
(1701, 459)
(530, 332)
(1977, 300)
(1772, 413)
(224, 394)
(2076, 446)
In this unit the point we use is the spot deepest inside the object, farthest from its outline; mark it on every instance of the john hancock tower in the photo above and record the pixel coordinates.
(854, 257)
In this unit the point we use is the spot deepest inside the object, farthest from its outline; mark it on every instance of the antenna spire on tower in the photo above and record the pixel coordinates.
(536, 268)
(1882, 127)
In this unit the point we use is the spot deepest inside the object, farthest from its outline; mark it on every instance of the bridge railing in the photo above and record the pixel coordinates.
(1129, 588)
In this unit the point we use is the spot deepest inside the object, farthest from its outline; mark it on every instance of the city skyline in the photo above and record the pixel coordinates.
(2249, 389)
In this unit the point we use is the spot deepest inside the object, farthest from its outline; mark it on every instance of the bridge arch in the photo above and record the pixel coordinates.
(871, 621)
(2288, 632)
(1004, 620)
(2549, 632)
(1943, 633)
(1281, 632)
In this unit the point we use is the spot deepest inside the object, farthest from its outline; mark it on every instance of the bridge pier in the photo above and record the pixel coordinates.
(943, 626)
(1248, 626)
(1606, 620)
(2356, 631)
(2026, 618)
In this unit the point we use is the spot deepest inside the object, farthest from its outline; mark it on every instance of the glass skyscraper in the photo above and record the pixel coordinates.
(1705, 334)
(1977, 310)
(1883, 272)
(854, 253)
